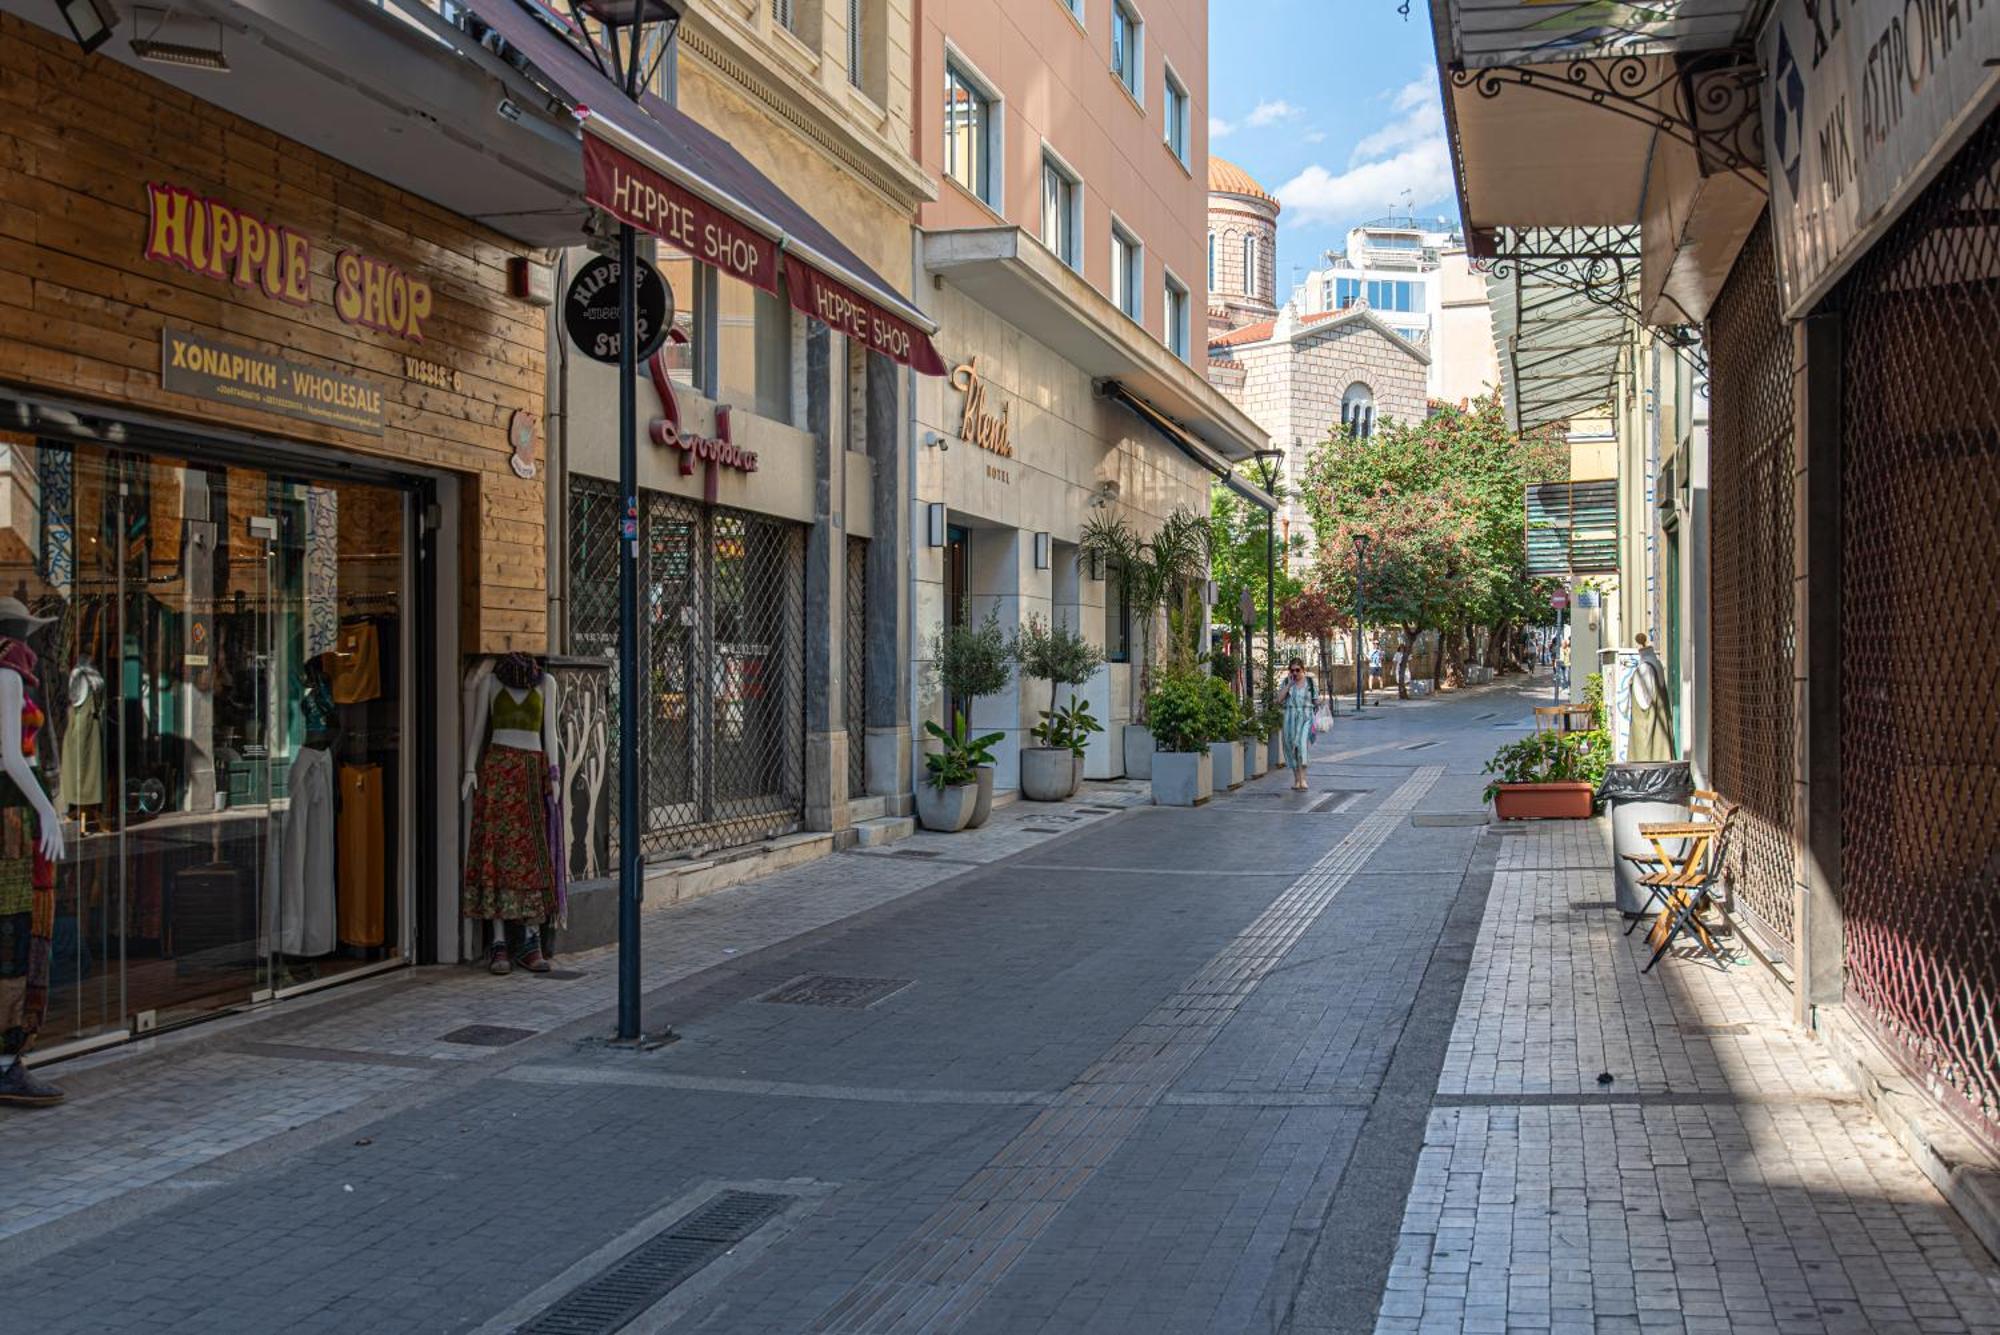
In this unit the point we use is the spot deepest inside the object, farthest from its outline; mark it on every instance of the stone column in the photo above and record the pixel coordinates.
(826, 591)
(886, 427)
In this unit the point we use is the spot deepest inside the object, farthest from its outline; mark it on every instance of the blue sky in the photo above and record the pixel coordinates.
(1332, 105)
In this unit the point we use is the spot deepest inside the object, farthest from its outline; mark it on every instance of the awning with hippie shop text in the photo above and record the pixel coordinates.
(652, 166)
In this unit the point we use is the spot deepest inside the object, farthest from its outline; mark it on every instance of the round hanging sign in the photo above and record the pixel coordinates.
(590, 310)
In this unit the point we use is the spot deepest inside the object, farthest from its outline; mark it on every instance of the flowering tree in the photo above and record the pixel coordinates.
(1310, 614)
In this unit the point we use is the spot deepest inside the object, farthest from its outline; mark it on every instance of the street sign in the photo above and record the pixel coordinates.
(1559, 601)
(590, 310)
(1246, 608)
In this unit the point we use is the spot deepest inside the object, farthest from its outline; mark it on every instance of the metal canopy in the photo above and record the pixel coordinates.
(1486, 33)
(1558, 344)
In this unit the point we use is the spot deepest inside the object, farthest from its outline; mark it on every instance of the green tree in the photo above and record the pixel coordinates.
(1441, 502)
(1239, 561)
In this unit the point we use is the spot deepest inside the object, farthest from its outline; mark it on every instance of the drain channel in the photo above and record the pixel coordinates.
(609, 1301)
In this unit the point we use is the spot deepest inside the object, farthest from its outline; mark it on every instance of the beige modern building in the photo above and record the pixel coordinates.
(1064, 261)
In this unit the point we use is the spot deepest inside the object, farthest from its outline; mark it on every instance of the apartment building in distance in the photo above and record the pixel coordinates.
(1064, 260)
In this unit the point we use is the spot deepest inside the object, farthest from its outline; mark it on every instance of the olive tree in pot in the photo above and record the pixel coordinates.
(1150, 572)
(970, 662)
(1063, 658)
(1183, 770)
(949, 791)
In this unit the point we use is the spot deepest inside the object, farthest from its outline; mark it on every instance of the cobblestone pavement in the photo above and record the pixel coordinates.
(1288, 1062)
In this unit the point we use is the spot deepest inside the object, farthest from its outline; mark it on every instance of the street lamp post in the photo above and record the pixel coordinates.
(1267, 463)
(620, 31)
(1361, 541)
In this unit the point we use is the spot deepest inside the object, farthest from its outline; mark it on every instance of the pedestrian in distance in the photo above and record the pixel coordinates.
(1375, 667)
(1300, 699)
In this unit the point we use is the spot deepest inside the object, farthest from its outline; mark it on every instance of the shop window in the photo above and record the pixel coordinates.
(971, 134)
(754, 346)
(1062, 211)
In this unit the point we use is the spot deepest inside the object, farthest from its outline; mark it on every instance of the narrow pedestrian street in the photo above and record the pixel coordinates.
(1340, 1060)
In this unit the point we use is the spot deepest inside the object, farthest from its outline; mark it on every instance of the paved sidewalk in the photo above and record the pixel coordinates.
(1726, 1179)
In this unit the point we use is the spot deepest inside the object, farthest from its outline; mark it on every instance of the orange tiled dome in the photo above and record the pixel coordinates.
(1226, 178)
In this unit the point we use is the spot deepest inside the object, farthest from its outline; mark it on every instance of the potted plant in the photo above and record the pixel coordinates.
(1224, 737)
(1548, 776)
(1060, 656)
(950, 791)
(1255, 740)
(1150, 572)
(1177, 711)
(970, 662)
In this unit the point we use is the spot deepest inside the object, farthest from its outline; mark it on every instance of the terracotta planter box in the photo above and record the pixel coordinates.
(1543, 801)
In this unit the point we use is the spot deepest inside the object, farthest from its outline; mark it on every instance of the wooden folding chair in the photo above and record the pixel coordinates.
(1663, 869)
(1690, 892)
(1549, 718)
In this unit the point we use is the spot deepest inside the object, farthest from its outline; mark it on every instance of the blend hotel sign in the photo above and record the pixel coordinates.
(1865, 99)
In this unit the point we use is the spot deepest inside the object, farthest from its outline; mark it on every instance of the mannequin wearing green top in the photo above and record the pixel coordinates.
(510, 758)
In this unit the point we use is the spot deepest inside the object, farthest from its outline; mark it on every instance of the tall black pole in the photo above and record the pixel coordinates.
(1270, 592)
(630, 886)
(1360, 604)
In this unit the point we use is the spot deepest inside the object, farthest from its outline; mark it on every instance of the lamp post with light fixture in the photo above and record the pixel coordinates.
(619, 34)
(1361, 541)
(1267, 465)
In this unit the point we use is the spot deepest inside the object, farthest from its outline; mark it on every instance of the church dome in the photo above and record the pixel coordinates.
(1226, 178)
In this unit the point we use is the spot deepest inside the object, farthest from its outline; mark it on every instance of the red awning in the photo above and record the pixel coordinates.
(656, 168)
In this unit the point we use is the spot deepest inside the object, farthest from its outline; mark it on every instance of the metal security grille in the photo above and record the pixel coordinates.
(1920, 585)
(722, 617)
(855, 645)
(1751, 597)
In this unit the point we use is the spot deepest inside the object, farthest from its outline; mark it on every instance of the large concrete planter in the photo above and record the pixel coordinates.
(1182, 778)
(1138, 751)
(946, 810)
(1048, 773)
(982, 810)
(1275, 751)
(1226, 759)
(1260, 757)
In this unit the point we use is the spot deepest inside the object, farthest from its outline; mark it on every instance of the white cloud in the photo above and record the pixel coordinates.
(1271, 112)
(1218, 127)
(1314, 136)
(1407, 156)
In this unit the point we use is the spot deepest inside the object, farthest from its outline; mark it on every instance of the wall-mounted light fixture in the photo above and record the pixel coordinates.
(90, 21)
(934, 523)
(1214, 592)
(164, 38)
(1041, 551)
(937, 440)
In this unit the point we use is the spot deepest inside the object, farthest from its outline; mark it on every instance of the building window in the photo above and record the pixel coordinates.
(1128, 51)
(969, 132)
(854, 43)
(1346, 292)
(1250, 265)
(1177, 117)
(1394, 295)
(1061, 206)
(1357, 410)
(1075, 8)
(1117, 615)
(1176, 310)
(1211, 261)
(1326, 295)
(1128, 270)
(786, 14)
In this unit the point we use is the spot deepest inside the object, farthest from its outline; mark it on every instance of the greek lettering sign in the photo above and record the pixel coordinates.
(590, 310)
(714, 453)
(1865, 98)
(226, 373)
(633, 192)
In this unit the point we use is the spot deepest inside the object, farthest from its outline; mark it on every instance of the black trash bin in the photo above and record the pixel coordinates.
(1642, 792)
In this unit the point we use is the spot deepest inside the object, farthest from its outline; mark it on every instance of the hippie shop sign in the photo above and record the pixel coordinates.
(636, 194)
(714, 453)
(216, 240)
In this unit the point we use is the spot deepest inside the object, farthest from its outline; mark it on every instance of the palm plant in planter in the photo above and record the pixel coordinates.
(950, 789)
(1150, 572)
(1178, 711)
(969, 662)
(1548, 776)
(1061, 657)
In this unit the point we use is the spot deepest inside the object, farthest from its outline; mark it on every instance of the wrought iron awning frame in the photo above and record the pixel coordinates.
(1599, 264)
(1712, 106)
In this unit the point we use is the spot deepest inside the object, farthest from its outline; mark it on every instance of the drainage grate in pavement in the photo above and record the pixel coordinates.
(1042, 829)
(914, 853)
(1445, 820)
(486, 1035)
(825, 989)
(1420, 746)
(1593, 903)
(610, 1300)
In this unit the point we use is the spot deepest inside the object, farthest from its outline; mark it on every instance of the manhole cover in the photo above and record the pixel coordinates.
(914, 853)
(611, 1299)
(1441, 820)
(487, 1035)
(825, 989)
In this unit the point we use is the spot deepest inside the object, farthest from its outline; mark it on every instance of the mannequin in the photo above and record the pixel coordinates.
(1652, 732)
(31, 843)
(510, 872)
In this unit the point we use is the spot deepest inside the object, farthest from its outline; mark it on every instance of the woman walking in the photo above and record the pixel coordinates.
(1300, 699)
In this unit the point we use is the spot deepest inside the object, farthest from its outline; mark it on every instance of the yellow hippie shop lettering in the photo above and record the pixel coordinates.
(207, 237)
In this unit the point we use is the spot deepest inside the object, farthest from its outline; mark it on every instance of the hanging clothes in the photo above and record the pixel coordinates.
(300, 917)
(361, 887)
(1652, 734)
(81, 782)
(508, 871)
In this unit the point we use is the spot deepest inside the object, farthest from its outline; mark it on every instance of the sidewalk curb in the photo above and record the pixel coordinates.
(1964, 1174)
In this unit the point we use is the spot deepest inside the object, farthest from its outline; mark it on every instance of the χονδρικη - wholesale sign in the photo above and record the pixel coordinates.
(226, 373)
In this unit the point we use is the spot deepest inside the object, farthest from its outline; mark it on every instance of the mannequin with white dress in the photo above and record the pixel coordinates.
(510, 766)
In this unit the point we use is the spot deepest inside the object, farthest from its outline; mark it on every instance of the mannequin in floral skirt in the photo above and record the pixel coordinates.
(510, 872)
